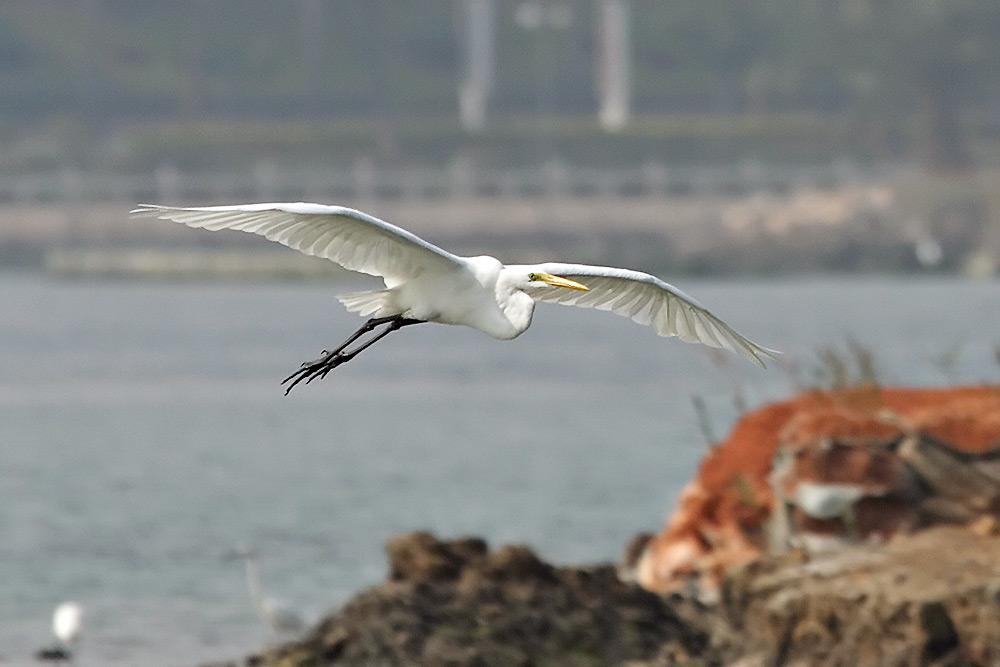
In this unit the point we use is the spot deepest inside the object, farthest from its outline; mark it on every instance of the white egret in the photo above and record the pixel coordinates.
(280, 616)
(424, 283)
(67, 623)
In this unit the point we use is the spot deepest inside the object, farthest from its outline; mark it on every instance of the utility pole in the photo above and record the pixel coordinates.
(614, 64)
(312, 36)
(480, 38)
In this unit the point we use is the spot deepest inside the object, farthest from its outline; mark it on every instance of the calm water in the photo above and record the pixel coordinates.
(143, 434)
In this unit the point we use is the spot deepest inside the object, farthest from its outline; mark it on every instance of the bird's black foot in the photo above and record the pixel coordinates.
(318, 368)
(54, 654)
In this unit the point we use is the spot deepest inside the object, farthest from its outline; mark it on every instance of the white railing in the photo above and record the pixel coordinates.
(267, 182)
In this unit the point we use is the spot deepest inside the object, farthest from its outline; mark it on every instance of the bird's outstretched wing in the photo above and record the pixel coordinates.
(356, 241)
(647, 300)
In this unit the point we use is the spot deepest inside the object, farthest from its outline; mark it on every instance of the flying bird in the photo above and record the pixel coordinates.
(424, 283)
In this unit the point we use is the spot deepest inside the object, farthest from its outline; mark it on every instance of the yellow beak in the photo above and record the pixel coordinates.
(557, 281)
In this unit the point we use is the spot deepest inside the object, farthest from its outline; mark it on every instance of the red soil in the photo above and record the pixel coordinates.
(721, 514)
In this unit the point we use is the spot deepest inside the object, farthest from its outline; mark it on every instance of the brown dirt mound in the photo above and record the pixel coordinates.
(897, 457)
(931, 598)
(456, 603)
(721, 516)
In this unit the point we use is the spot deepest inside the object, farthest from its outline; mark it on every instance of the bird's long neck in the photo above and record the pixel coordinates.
(253, 583)
(516, 306)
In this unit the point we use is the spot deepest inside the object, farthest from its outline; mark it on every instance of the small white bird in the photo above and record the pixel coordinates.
(424, 283)
(67, 623)
(278, 615)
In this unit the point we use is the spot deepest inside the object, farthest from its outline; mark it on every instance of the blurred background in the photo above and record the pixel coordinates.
(823, 174)
(693, 136)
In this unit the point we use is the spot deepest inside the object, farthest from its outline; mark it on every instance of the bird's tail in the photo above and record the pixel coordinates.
(376, 302)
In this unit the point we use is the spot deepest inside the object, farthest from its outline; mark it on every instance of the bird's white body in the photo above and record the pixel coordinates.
(280, 616)
(469, 292)
(67, 622)
(425, 283)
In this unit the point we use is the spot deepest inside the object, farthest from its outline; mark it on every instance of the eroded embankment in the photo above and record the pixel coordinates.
(845, 528)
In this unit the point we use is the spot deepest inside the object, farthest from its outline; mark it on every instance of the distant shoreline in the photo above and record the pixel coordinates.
(866, 227)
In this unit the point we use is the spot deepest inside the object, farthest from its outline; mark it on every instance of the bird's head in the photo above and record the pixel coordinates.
(516, 288)
(242, 551)
(541, 279)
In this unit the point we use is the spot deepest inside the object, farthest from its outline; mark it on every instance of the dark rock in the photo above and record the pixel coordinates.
(455, 603)
(942, 638)
(469, 549)
(926, 599)
(516, 562)
(419, 556)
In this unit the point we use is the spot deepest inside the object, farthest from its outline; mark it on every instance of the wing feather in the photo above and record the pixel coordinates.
(355, 240)
(647, 300)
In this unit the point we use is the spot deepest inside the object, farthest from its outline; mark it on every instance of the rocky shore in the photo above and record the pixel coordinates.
(455, 602)
(836, 528)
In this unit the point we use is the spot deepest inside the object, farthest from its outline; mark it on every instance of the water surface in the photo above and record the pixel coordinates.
(144, 434)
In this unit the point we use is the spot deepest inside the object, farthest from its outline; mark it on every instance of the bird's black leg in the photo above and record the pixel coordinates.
(318, 368)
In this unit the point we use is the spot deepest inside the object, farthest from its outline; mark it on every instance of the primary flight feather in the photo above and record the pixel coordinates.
(424, 283)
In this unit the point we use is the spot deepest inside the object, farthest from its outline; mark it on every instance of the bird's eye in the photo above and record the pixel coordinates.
(532, 277)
